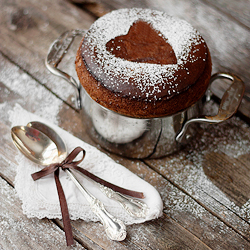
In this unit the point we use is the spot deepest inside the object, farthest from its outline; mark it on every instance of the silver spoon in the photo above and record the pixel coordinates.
(133, 207)
(39, 148)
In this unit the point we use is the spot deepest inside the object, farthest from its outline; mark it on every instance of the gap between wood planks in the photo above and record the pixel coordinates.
(98, 9)
(174, 184)
(73, 108)
(209, 3)
(59, 223)
(37, 80)
(201, 204)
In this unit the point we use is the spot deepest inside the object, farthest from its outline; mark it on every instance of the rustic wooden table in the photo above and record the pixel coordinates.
(205, 187)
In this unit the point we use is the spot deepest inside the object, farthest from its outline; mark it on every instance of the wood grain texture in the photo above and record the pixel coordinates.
(88, 234)
(27, 30)
(229, 175)
(38, 26)
(19, 232)
(238, 10)
(204, 187)
(209, 171)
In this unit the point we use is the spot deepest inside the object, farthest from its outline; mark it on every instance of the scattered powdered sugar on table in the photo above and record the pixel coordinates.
(148, 79)
(16, 229)
(21, 88)
(231, 137)
(186, 169)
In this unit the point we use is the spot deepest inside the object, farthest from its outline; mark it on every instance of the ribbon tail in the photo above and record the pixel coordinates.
(110, 185)
(64, 210)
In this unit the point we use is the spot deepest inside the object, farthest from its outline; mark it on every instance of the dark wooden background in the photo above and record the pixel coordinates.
(204, 187)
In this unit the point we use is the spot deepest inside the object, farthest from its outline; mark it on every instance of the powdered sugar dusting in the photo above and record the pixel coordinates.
(149, 79)
(22, 89)
(191, 169)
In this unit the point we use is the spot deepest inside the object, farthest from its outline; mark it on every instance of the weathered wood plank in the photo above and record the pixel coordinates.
(19, 232)
(209, 171)
(199, 207)
(198, 218)
(27, 30)
(229, 175)
(239, 10)
(89, 230)
(163, 233)
(44, 103)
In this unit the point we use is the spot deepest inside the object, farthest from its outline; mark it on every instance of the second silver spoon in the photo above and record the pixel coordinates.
(133, 207)
(39, 148)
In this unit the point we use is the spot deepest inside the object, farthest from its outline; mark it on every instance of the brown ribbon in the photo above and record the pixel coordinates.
(69, 163)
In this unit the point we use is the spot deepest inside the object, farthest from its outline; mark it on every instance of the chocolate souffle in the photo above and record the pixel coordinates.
(143, 63)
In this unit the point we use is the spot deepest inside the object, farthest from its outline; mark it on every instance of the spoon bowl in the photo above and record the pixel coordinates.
(36, 146)
(133, 207)
(39, 148)
(53, 136)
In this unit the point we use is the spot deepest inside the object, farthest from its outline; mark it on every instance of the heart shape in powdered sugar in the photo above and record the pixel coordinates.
(142, 44)
(143, 53)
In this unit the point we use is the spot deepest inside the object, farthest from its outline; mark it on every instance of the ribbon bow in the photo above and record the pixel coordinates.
(68, 163)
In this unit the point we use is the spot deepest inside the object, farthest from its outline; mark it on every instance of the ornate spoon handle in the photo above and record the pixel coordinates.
(115, 228)
(133, 207)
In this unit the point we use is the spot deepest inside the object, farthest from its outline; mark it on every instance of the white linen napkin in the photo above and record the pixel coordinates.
(40, 199)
